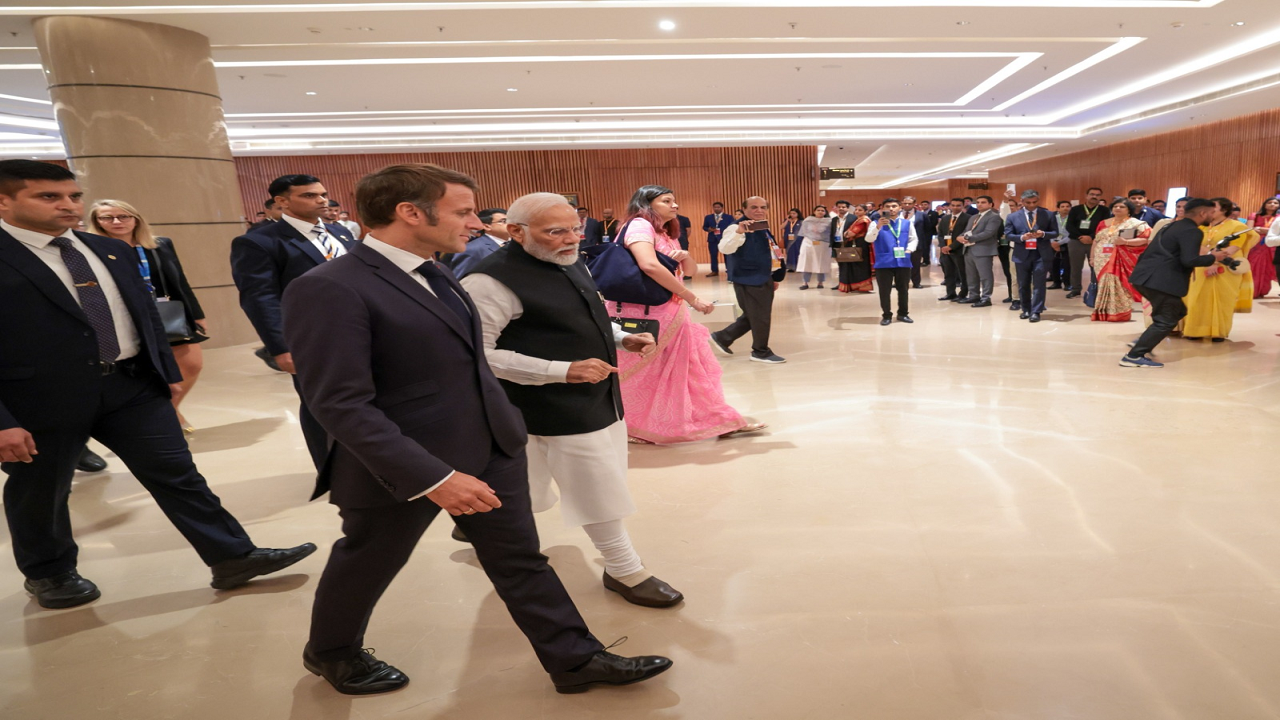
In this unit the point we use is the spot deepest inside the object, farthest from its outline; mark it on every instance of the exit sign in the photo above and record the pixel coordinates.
(837, 173)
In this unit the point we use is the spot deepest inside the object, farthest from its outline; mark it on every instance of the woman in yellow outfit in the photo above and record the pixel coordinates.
(1217, 292)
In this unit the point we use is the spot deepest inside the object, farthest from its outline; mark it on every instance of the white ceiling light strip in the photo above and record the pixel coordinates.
(1120, 46)
(980, 158)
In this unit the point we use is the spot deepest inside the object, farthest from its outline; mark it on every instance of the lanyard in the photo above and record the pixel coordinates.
(896, 229)
(1031, 221)
(146, 270)
(1089, 217)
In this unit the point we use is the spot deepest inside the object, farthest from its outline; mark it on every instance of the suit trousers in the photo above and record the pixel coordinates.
(919, 258)
(1010, 281)
(1166, 312)
(981, 275)
(887, 277)
(312, 431)
(377, 542)
(1031, 283)
(133, 417)
(1061, 264)
(756, 302)
(1079, 255)
(713, 245)
(954, 272)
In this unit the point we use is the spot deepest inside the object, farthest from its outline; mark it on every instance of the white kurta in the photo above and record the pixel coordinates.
(815, 246)
(589, 469)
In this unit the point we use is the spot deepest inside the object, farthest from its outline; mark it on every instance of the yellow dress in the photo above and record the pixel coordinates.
(1213, 300)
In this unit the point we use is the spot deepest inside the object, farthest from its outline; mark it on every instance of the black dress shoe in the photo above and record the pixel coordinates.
(982, 303)
(1016, 305)
(261, 561)
(1073, 294)
(652, 593)
(906, 319)
(714, 274)
(605, 668)
(360, 674)
(1035, 317)
(885, 321)
(965, 300)
(1024, 315)
(1007, 300)
(947, 297)
(267, 358)
(458, 535)
(916, 287)
(63, 591)
(90, 461)
(1055, 286)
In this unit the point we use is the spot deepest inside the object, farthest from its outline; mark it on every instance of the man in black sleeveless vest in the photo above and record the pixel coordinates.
(549, 340)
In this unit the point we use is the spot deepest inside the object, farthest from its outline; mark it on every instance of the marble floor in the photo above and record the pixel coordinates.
(968, 517)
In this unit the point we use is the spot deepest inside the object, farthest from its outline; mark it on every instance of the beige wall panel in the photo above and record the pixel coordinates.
(165, 190)
(141, 121)
(204, 251)
(227, 323)
(107, 51)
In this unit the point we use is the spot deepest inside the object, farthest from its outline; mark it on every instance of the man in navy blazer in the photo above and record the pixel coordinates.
(1033, 232)
(714, 226)
(266, 259)
(84, 354)
(391, 359)
(592, 229)
(478, 248)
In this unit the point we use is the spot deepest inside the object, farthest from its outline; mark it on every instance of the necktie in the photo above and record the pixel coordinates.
(332, 248)
(92, 300)
(440, 286)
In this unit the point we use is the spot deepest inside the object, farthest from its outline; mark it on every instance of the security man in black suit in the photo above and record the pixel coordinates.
(592, 229)
(266, 259)
(87, 357)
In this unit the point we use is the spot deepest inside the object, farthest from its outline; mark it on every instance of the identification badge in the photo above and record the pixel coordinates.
(899, 252)
(1031, 244)
(1084, 224)
(777, 252)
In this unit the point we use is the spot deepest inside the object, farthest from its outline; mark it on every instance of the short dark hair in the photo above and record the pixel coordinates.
(886, 201)
(987, 198)
(1063, 202)
(486, 215)
(968, 199)
(1137, 191)
(1196, 203)
(959, 200)
(843, 202)
(1226, 204)
(270, 203)
(584, 208)
(1100, 190)
(14, 174)
(717, 203)
(283, 184)
(334, 203)
(421, 184)
(1130, 205)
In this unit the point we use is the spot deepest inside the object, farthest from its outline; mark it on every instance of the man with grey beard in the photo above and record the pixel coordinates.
(549, 340)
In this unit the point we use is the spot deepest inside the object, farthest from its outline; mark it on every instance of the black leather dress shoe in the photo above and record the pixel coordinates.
(1056, 286)
(965, 300)
(652, 593)
(605, 668)
(361, 674)
(90, 461)
(982, 303)
(261, 561)
(1024, 315)
(267, 358)
(906, 319)
(947, 297)
(1035, 317)
(458, 535)
(885, 321)
(63, 591)
(1016, 305)
(1073, 294)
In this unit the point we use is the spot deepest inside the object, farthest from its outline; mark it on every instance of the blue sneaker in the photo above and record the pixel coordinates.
(1139, 362)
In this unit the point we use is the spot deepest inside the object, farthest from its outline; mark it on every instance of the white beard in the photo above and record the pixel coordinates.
(551, 256)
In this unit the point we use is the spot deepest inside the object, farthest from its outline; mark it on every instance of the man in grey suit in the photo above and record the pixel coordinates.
(981, 244)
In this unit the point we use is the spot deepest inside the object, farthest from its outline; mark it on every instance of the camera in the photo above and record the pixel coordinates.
(1231, 263)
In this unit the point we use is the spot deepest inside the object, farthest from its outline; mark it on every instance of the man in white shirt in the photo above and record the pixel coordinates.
(548, 338)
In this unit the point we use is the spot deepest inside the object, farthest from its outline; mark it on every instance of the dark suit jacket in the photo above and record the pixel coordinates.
(263, 263)
(948, 231)
(709, 224)
(685, 224)
(48, 353)
(477, 250)
(592, 232)
(1016, 225)
(838, 226)
(1166, 265)
(397, 380)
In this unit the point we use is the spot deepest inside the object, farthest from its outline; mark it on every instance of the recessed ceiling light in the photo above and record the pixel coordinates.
(513, 89)
(962, 22)
(311, 92)
(667, 25)
(1238, 24)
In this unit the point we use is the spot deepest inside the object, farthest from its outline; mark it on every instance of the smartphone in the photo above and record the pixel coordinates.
(759, 225)
(1011, 187)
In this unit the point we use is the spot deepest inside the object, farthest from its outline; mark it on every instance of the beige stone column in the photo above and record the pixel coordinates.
(141, 118)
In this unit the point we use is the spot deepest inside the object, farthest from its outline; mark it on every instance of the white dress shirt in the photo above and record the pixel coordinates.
(1273, 235)
(308, 232)
(498, 306)
(42, 246)
(409, 263)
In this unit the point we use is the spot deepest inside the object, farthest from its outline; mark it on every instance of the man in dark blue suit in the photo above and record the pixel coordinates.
(592, 229)
(266, 259)
(714, 226)
(478, 248)
(85, 355)
(1033, 232)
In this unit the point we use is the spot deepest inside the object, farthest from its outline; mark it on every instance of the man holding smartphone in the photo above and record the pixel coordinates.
(895, 241)
(749, 256)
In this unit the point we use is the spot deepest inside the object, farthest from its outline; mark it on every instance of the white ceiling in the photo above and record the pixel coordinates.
(906, 91)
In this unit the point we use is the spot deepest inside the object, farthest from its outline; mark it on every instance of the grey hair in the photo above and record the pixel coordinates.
(528, 207)
(1028, 194)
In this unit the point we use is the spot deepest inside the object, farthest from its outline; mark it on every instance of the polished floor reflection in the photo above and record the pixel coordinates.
(968, 517)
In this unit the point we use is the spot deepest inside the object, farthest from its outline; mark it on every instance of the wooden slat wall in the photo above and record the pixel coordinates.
(1236, 158)
(786, 176)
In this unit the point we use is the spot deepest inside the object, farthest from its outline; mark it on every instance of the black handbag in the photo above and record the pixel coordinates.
(173, 313)
(620, 279)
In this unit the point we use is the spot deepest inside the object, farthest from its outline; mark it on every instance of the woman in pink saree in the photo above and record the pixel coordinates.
(1117, 246)
(672, 395)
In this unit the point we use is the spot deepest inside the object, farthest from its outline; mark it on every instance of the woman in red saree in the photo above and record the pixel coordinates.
(857, 276)
(1118, 244)
(1261, 257)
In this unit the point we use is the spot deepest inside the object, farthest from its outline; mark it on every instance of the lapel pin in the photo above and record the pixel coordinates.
(111, 257)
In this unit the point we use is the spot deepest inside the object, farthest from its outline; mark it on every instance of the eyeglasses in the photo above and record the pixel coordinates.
(559, 233)
(115, 218)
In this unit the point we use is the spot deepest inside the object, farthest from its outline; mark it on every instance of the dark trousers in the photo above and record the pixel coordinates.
(756, 302)
(1031, 286)
(378, 541)
(1008, 278)
(312, 431)
(901, 277)
(1061, 264)
(713, 244)
(919, 259)
(1166, 312)
(134, 418)
(1078, 252)
(953, 271)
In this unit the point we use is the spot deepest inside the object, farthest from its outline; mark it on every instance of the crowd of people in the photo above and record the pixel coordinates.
(491, 362)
